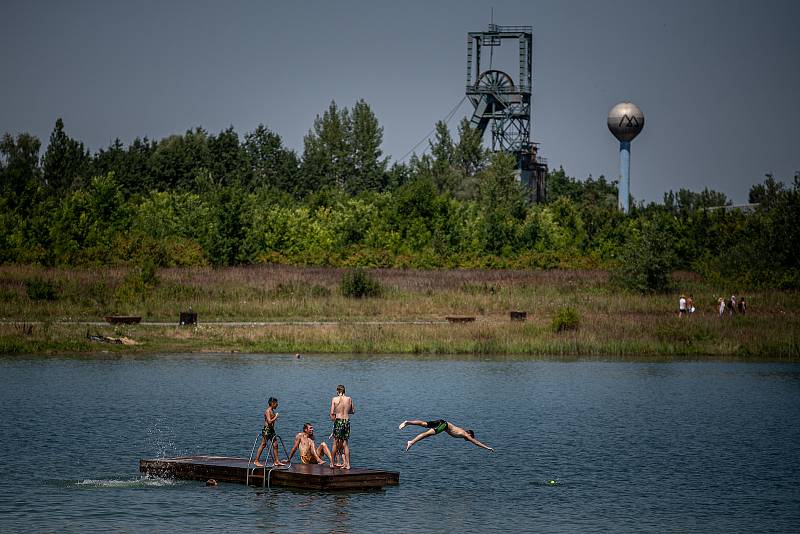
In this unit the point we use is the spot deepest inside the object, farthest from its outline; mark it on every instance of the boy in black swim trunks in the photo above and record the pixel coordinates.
(342, 408)
(268, 433)
(437, 427)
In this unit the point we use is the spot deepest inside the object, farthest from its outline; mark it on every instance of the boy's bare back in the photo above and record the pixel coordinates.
(341, 407)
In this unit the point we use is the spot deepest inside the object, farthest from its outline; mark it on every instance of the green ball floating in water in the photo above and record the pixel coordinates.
(551, 482)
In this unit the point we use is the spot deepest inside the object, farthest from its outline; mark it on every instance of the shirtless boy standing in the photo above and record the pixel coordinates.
(341, 408)
(309, 452)
(268, 433)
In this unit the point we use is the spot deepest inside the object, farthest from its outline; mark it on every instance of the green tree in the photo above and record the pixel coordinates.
(65, 160)
(569, 217)
(138, 176)
(86, 221)
(499, 188)
(176, 160)
(113, 159)
(223, 229)
(19, 162)
(503, 203)
(228, 159)
(368, 167)
(326, 150)
(270, 164)
(647, 260)
(561, 185)
(764, 244)
(398, 175)
(163, 215)
(686, 201)
(766, 193)
(441, 164)
(589, 191)
(469, 155)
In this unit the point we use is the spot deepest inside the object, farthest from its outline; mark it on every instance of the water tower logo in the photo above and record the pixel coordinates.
(629, 122)
(625, 120)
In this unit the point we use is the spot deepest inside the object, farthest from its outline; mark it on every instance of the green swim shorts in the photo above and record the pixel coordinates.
(341, 429)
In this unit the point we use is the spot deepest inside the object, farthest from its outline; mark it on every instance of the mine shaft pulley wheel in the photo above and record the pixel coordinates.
(494, 81)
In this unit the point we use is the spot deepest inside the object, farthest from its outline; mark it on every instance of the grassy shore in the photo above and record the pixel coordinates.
(613, 323)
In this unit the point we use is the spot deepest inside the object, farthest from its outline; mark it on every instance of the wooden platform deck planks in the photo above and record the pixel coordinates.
(229, 469)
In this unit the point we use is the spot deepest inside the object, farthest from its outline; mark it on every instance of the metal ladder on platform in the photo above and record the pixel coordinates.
(270, 454)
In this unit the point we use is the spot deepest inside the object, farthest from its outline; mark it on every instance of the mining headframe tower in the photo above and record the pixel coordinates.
(504, 106)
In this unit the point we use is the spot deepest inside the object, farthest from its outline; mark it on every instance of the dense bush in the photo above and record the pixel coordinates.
(40, 289)
(357, 283)
(142, 278)
(647, 261)
(565, 319)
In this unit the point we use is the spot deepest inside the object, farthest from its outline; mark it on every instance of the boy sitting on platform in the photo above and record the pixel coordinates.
(309, 452)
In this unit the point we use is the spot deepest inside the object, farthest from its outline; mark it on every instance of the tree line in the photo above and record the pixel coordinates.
(221, 199)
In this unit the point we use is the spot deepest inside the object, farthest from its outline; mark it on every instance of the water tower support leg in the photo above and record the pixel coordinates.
(624, 175)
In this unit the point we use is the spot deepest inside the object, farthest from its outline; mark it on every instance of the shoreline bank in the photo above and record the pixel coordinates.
(274, 309)
(431, 339)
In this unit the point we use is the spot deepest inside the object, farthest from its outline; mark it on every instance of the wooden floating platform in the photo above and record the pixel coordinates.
(305, 476)
(123, 319)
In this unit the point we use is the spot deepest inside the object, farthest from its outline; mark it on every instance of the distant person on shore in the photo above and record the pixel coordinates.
(721, 305)
(732, 305)
(682, 305)
(742, 306)
(341, 408)
(439, 426)
(268, 433)
(690, 304)
(309, 452)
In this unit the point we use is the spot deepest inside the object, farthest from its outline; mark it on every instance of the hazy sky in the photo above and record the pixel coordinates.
(719, 82)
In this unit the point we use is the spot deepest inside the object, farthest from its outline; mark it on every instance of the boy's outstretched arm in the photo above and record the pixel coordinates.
(294, 448)
(478, 443)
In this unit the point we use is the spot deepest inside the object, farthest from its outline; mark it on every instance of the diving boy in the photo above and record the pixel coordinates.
(437, 427)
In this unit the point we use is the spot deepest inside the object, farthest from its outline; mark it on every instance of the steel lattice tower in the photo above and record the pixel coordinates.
(504, 106)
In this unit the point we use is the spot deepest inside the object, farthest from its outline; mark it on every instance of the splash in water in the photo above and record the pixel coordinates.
(130, 483)
(161, 440)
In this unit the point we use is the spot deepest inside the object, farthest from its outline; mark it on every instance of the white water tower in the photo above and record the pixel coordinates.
(625, 120)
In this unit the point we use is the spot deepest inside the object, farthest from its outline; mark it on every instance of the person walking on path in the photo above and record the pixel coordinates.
(437, 427)
(341, 408)
(682, 305)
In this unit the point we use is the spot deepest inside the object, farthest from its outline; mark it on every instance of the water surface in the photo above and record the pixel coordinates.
(632, 446)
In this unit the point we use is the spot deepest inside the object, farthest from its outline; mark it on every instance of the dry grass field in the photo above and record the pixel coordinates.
(303, 310)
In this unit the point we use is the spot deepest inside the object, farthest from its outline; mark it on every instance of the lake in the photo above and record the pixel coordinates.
(678, 446)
